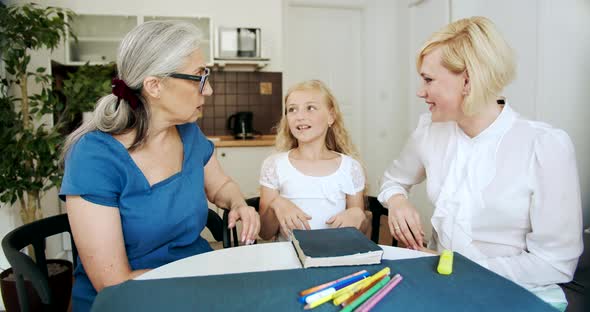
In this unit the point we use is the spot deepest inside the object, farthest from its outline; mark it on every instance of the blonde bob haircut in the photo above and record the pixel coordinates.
(337, 138)
(474, 46)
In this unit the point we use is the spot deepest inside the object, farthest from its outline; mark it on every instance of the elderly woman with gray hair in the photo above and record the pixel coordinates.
(138, 175)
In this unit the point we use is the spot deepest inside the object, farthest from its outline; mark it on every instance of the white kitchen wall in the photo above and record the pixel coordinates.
(385, 106)
(8, 220)
(563, 85)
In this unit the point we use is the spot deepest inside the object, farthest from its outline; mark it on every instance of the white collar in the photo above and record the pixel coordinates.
(497, 129)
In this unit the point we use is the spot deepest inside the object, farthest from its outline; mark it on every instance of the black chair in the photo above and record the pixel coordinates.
(34, 234)
(25, 268)
(378, 210)
(215, 225)
(231, 240)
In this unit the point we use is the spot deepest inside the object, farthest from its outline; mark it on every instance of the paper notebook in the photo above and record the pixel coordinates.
(335, 247)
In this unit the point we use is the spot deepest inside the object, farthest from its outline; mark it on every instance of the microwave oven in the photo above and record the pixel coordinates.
(239, 43)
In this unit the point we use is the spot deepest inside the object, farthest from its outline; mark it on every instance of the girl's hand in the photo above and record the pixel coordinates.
(291, 217)
(349, 217)
(250, 223)
(404, 222)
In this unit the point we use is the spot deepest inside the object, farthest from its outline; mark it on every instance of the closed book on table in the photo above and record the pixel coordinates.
(334, 247)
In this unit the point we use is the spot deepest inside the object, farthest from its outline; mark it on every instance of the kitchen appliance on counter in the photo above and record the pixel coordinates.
(240, 125)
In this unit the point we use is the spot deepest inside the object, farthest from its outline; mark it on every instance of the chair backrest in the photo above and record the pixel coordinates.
(232, 240)
(215, 225)
(378, 210)
(23, 265)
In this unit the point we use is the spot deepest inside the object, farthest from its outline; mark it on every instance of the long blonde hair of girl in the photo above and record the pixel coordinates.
(337, 138)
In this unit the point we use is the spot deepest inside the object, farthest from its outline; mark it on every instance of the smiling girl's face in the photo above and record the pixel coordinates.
(308, 115)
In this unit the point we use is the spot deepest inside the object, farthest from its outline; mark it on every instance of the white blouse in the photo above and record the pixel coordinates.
(508, 199)
(319, 197)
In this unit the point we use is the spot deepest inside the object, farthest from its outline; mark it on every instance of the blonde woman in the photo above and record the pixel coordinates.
(315, 181)
(505, 189)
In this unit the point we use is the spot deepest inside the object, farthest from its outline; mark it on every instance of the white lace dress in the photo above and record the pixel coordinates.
(320, 197)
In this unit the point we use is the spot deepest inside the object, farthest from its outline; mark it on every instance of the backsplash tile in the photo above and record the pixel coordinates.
(257, 92)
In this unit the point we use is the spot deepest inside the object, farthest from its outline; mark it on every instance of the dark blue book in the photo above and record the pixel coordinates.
(335, 247)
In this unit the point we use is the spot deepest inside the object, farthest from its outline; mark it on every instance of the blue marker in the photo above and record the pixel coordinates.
(332, 289)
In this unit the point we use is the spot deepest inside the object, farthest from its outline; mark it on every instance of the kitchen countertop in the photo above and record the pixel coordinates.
(229, 141)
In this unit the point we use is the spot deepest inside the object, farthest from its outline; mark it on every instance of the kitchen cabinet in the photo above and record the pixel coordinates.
(242, 164)
(99, 36)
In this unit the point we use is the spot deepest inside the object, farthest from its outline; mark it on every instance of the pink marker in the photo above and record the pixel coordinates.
(371, 302)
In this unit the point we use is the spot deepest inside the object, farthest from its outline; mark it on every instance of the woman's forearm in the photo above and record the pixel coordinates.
(229, 196)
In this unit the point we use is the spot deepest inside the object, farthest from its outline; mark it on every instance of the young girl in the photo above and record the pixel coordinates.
(314, 182)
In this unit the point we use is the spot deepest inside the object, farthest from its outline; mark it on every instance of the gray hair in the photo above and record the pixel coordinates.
(156, 48)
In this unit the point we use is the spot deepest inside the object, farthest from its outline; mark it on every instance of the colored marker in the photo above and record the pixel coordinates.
(366, 295)
(384, 271)
(328, 284)
(332, 289)
(371, 302)
(346, 299)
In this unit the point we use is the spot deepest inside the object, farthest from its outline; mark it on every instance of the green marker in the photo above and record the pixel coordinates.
(366, 295)
(445, 263)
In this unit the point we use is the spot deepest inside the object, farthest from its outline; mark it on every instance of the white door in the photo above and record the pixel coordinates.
(325, 42)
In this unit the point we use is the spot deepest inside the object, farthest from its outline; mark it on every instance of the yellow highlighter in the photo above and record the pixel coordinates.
(445, 263)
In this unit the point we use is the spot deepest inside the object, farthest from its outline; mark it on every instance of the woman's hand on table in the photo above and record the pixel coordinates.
(404, 222)
(250, 223)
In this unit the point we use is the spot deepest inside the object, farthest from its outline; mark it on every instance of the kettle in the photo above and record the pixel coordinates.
(240, 124)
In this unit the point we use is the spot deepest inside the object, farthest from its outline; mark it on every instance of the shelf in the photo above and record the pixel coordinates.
(256, 63)
(80, 63)
(97, 39)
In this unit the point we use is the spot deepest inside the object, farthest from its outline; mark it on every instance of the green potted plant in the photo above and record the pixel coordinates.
(81, 88)
(30, 147)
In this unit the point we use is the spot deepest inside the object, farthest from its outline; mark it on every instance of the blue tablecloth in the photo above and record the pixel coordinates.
(470, 288)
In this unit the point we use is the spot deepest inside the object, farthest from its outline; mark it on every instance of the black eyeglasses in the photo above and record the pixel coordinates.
(201, 79)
